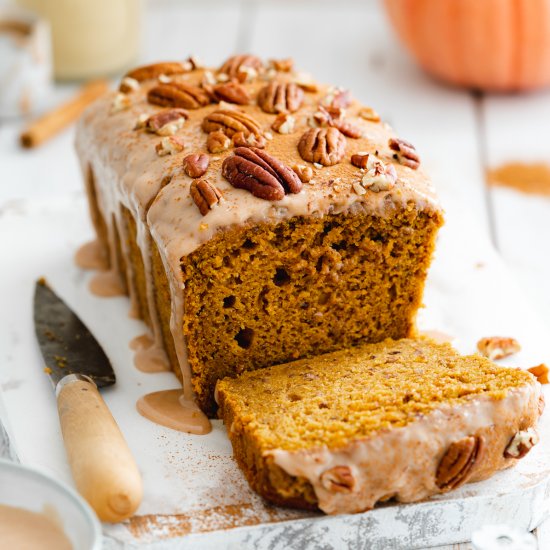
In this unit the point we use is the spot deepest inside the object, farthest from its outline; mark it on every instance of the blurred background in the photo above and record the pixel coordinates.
(464, 80)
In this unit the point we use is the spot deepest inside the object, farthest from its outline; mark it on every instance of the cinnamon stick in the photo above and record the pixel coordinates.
(53, 122)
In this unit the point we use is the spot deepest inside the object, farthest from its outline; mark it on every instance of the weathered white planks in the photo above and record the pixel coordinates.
(516, 128)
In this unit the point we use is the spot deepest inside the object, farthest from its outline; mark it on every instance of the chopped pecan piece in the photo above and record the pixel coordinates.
(129, 84)
(306, 83)
(521, 443)
(195, 62)
(169, 145)
(368, 113)
(498, 347)
(178, 94)
(120, 103)
(325, 146)
(337, 98)
(334, 117)
(338, 479)
(458, 462)
(149, 72)
(165, 79)
(242, 67)
(305, 173)
(378, 176)
(232, 92)
(405, 152)
(196, 164)
(280, 97)
(541, 373)
(141, 121)
(282, 65)
(230, 122)
(205, 195)
(258, 172)
(360, 160)
(217, 142)
(166, 122)
(284, 123)
(240, 139)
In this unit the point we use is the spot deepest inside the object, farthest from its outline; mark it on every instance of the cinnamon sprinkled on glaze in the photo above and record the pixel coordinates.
(154, 191)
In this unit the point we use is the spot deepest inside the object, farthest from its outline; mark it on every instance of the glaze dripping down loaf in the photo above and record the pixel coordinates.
(255, 216)
(402, 420)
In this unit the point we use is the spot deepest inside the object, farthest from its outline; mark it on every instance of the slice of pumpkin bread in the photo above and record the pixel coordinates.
(399, 419)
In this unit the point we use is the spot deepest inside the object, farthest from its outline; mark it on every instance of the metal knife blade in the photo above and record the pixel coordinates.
(68, 347)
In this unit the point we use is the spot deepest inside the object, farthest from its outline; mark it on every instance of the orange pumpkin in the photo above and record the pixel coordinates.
(498, 45)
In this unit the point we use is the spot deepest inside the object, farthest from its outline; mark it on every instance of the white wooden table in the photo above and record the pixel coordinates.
(349, 43)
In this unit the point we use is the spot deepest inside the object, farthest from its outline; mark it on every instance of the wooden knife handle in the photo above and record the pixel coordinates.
(102, 465)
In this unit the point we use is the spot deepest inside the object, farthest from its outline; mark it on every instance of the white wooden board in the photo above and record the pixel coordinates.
(192, 485)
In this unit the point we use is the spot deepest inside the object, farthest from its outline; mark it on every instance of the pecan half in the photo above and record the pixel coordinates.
(166, 122)
(498, 347)
(338, 480)
(541, 373)
(217, 142)
(232, 92)
(178, 94)
(457, 464)
(205, 195)
(325, 146)
(169, 145)
(405, 152)
(521, 443)
(242, 67)
(280, 97)
(196, 164)
(230, 122)
(148, 72)
(347, 128)
(258, 172)
(240, 139)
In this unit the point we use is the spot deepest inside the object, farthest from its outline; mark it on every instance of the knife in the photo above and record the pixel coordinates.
(102, 465)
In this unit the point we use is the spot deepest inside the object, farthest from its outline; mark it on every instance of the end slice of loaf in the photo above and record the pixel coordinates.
(399, 419)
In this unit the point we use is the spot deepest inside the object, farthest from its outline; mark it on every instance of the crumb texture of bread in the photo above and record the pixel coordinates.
(269, 294)
(345, 430)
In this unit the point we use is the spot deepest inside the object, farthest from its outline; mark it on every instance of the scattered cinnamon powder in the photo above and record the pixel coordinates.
(528, 178)
(212, 519)
(541, 372)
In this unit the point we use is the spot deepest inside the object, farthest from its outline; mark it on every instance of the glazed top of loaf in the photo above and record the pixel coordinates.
(136, 141)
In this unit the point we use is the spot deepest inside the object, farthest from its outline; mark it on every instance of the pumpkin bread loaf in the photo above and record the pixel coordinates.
(255, 216)
(399, 419)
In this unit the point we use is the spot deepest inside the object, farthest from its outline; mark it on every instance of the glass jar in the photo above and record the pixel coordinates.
(91, 38)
